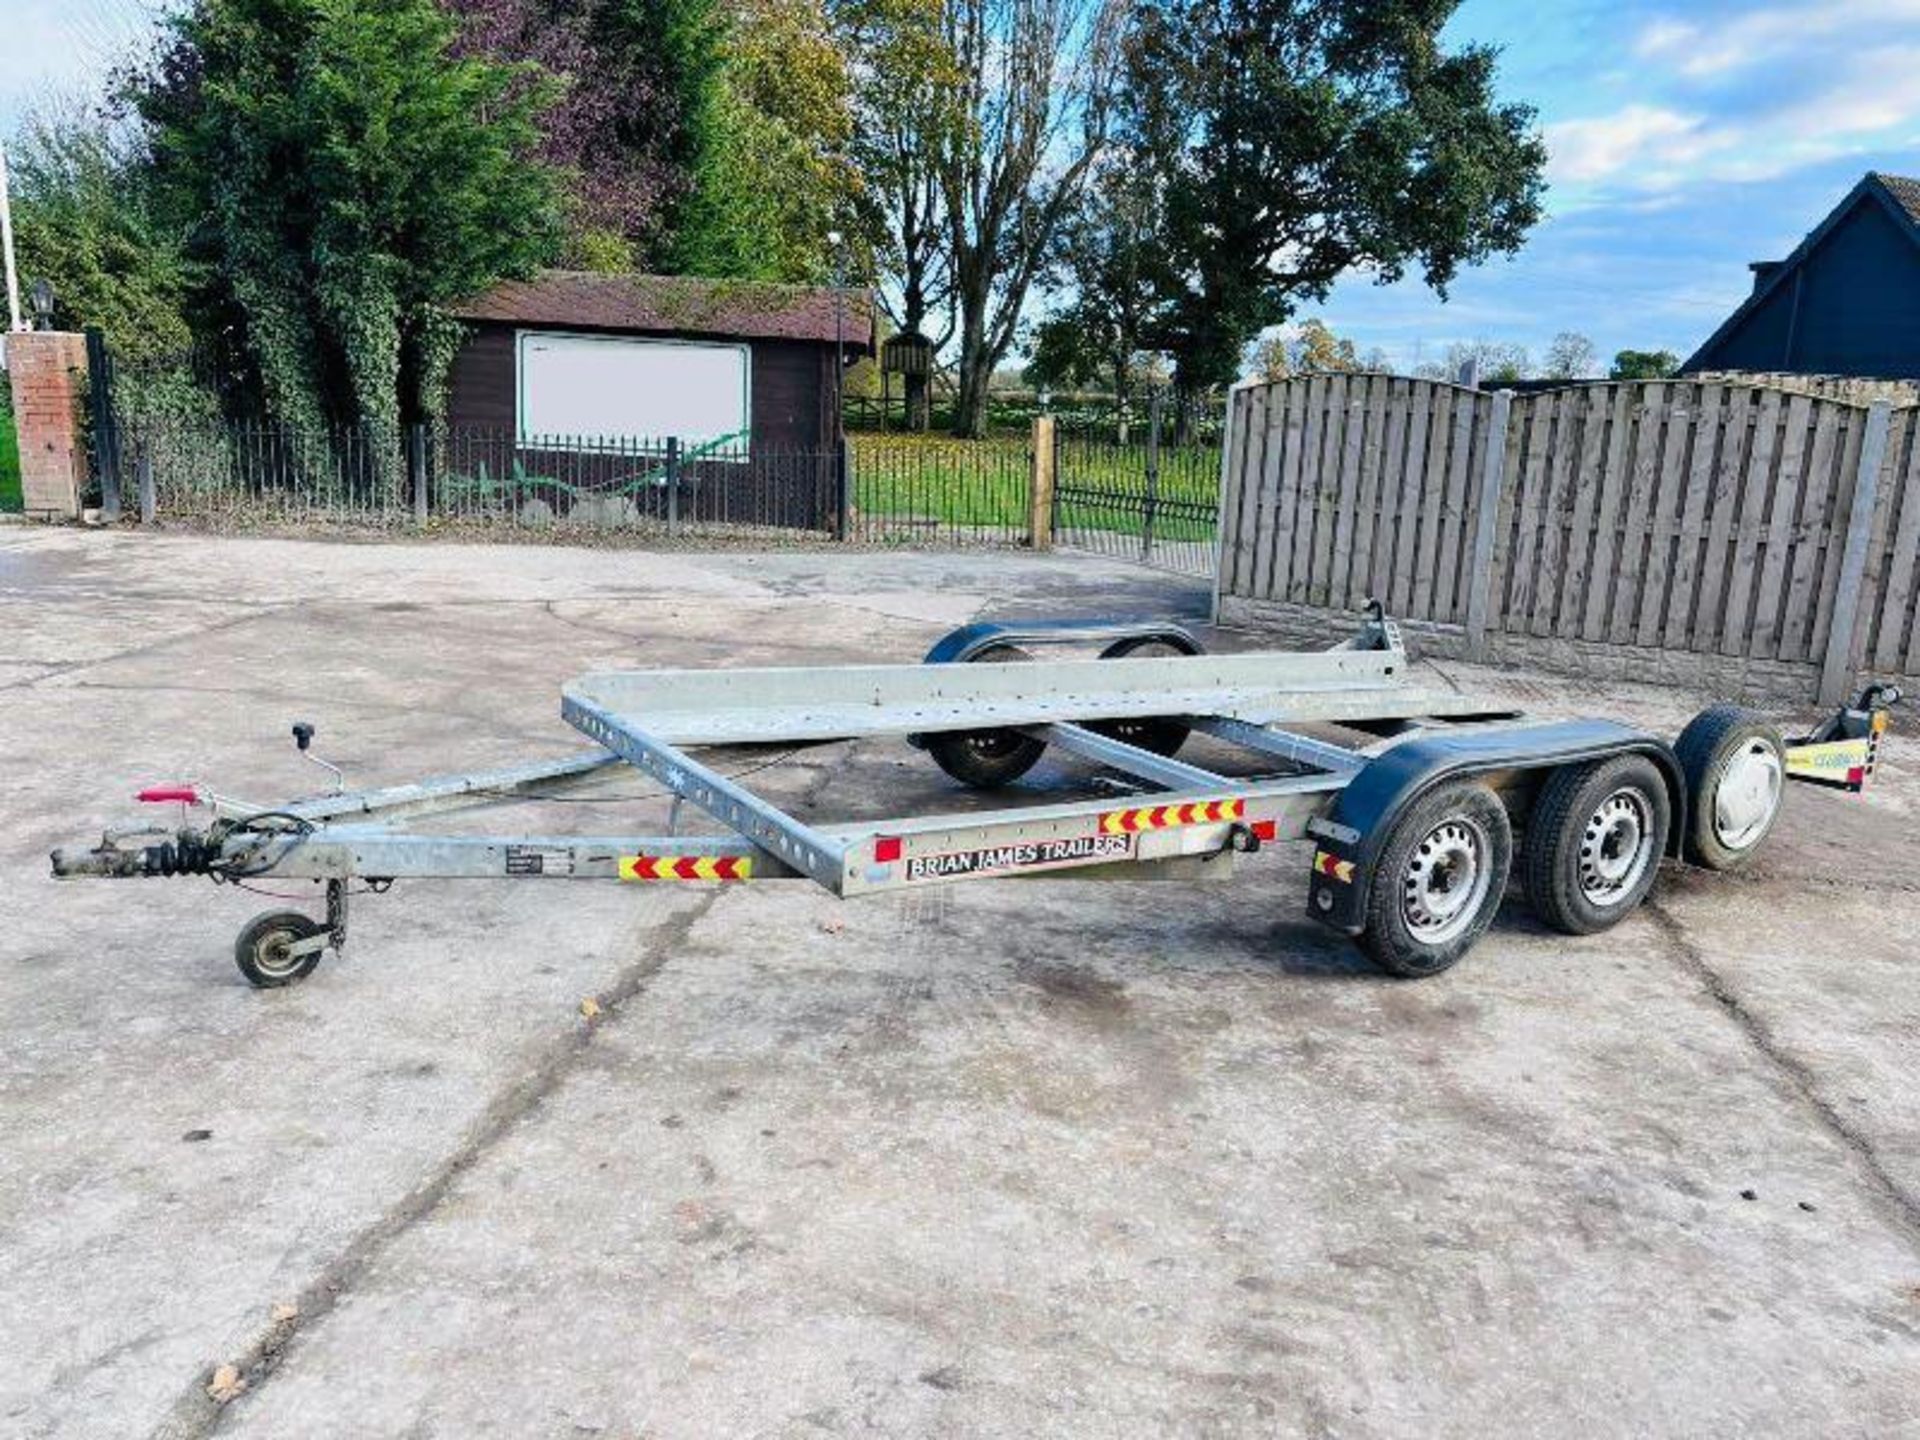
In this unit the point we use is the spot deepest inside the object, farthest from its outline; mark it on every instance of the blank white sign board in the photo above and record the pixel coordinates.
(585, 388)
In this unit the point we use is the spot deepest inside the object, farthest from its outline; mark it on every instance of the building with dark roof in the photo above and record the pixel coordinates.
(572, 357)
(1845, 302)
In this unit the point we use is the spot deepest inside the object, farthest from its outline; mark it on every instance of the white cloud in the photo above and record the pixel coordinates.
(1718, 46)
(1599, 148)
(1679, 130)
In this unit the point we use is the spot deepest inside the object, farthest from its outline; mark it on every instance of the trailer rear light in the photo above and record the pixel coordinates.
(163, 794)
(886, 849)
(1265, 829)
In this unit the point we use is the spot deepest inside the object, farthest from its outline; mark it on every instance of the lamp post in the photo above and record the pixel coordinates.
(839, 333)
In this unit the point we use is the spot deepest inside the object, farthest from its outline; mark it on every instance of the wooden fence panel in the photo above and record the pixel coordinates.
(1690, 544)
(1695, 516)
(1406, 557)
(1839, 511)
(1896, 637)
(1800, 602)
(1757, 481)
(1659, 463)
(1527, 478)
(1783, 504)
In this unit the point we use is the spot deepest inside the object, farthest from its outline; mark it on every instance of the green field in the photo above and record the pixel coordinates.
(938, 482)
(9, 453)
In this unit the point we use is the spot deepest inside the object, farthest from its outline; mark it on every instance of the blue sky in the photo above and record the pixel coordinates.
(1688, 137)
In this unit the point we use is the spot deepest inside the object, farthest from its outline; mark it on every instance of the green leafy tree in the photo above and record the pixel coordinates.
(770, 123)
(1103, 261)
(347, 176)
(1644, 365)
(85, 221)
(1296, 141)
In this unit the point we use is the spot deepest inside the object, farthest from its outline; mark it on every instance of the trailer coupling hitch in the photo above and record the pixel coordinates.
(186, 852)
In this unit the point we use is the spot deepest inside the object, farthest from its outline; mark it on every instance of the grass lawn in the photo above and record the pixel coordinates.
(983, 484)
(9, 453)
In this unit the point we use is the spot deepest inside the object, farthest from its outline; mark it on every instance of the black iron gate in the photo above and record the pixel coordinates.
(1148, 493)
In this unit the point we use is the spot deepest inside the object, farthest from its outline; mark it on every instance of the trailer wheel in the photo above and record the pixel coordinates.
(261, 950)
(985, 759)
(1736, 773)
(1439, 880)
(1162, 737)
(1594, 842)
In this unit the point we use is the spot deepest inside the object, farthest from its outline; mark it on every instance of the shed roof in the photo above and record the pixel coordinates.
(1898, 194)
(677, 304)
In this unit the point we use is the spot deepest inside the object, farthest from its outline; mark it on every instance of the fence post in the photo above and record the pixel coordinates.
(1040, 485)
(1229, 430)
(106, 424)
(1836, 676)
(1156, 409)
(843, 513)
(1493, 473)
(417, 470)
(143, 471)
(673, 484)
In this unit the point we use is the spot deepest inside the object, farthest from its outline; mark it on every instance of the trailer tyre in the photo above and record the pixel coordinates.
(1736, 769)
(261, 950)
(1439, 880)
(1594, 842)
(985, 759)
(1162, 737)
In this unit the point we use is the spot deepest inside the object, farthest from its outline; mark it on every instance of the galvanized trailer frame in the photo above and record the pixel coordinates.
(1171, 819)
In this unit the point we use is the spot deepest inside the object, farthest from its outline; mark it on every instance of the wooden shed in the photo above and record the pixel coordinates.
(724, 366)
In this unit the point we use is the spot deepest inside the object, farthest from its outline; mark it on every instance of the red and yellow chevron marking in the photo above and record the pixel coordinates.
(1341, 870)
(686, 867)
(1164, 817)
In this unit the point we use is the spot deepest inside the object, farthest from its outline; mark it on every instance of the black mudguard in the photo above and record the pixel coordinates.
(1352, 834)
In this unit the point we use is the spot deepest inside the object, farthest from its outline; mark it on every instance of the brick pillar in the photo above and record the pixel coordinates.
(48, 371)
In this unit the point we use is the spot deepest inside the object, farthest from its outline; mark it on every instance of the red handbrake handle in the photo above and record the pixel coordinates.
(161, 794)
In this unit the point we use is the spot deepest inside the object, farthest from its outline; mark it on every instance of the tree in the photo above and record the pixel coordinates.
(1487, 361)
(1312, 349)
(1644, 365)
(770, 176)
(1101, 259)
(905, 93)
(1571, 356)
(1298, 140)
(1032, 113)
(85, 221)
(613, 130)
(346, 176)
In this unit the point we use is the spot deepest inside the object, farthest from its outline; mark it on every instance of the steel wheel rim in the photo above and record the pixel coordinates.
(1446, 881)
(1747, 796)
(1616, 847)
(270, 955)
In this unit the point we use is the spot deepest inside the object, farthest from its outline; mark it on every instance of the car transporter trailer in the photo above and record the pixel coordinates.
(1413, 827)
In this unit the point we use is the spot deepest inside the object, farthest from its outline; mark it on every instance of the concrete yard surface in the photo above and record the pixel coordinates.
(1008, 1159)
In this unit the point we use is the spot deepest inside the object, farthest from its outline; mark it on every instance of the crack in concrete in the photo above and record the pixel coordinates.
(195, 1414)
(1904, 1205)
